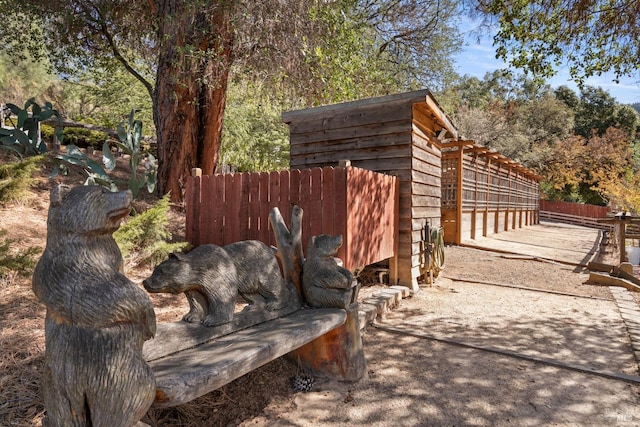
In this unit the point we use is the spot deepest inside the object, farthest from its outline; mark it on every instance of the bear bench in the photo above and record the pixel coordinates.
(188, 363)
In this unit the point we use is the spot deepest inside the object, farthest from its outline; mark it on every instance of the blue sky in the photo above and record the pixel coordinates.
(477, 59)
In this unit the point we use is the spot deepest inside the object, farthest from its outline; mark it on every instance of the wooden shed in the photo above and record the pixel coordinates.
(398, 135)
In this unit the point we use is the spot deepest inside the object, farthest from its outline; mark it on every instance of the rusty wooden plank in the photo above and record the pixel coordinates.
(304, 198)
(253, 213)
(206, 211)
(264, 208)
(278, 196)
(314, 204)
(233, 194)
(243, 213)
(218, 210)
(340, 211)
(328, 200)
(191, 200)
(289, 180)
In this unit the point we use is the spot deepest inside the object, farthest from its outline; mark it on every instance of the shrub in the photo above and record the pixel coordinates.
(145, 239)
(21, 263)
(17, 178)
(83, 138)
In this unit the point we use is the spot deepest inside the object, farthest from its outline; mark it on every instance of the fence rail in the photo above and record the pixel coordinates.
(575, 213)
(360, 205)
(575, 220)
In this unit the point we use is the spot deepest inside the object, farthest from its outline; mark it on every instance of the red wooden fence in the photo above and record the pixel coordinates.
(575, 213)
(360, 205)
(575, 209)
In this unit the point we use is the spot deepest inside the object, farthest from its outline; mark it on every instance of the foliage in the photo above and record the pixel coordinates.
(16, 179)
(145, 239)
(130, 134)
(563, 172)
(591, 36)
(99, 96)
(82, 137)
(582, 145)
(593, 170)
(254, 137)
(610, 165)
(183, 54)
(21, 78)
(24, 139)
(513, 115)
(21, 262)
(96, 173)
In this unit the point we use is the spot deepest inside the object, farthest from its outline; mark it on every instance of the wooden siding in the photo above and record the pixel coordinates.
(358, 204)
(394, 135)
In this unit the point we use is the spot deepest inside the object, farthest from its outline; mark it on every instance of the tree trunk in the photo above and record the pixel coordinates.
(190, 92)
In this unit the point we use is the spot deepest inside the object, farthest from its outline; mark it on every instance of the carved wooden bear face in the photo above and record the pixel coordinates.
(87, 209)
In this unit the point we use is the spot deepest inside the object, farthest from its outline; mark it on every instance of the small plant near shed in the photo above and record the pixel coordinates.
(145, 239)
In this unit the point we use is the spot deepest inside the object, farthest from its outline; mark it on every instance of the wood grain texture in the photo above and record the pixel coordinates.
(191, 373)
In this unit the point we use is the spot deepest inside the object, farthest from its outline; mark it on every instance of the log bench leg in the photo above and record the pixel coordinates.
(338, 354)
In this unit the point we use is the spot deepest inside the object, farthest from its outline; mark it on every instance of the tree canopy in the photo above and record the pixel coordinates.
(591, 36)
(585, 146)
(185, 53)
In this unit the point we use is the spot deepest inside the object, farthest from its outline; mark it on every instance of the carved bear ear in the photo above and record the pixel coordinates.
(175, 256)
(58, 193)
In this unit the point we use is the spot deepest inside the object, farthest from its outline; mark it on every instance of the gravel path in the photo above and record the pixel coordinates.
(499, 340)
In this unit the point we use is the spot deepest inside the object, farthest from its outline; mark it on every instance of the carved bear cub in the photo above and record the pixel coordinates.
(212, 277)
(324, 282)
(97, 319)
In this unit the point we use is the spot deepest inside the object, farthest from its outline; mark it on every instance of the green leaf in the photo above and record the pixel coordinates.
(151, 182)
(122, 146)
(96, 168)
(75, 152)
(14, 108)
(107, 157)
(72, 160)
(21, 137)
(59, 134)
(122, 133)
(22, 117)
(45, 115)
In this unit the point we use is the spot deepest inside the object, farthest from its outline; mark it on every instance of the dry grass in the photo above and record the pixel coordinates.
(22, 344)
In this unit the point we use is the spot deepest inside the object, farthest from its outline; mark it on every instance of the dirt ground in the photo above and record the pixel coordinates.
(499, 340)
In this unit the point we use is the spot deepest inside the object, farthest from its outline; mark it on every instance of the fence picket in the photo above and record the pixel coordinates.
(223, 209)
(328, 200)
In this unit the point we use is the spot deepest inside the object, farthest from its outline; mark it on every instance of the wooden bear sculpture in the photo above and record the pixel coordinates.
(97, 319)
(324, 282)
(212, 277)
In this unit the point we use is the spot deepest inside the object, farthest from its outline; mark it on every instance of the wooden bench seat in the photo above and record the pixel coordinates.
(189, 373)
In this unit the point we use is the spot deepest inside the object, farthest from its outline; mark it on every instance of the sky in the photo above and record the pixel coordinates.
(477, 59)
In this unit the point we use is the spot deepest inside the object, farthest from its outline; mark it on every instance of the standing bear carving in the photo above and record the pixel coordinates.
(212, 277)
(324, 283)
(97, 319)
